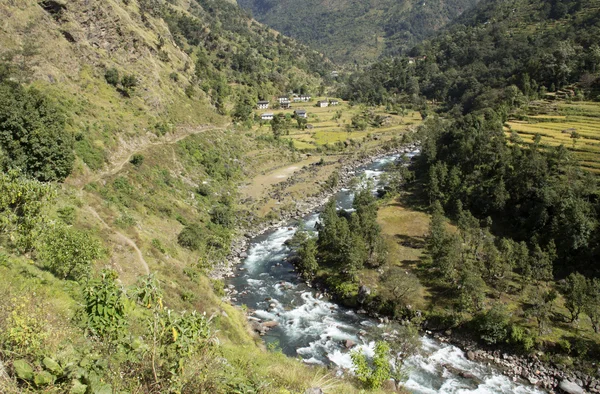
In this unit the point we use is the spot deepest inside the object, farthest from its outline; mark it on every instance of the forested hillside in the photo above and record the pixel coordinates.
(352, 30)
(514, 231)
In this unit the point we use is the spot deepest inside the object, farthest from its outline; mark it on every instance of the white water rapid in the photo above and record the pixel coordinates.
(316, 329)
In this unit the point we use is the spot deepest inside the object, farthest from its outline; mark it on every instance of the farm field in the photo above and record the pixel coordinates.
(575, 125)
(328, 126)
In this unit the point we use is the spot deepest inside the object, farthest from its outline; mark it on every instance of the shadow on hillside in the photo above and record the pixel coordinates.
(410, 242)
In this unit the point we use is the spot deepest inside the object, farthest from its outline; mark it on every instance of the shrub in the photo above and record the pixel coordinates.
(204, 190)
(222, 215)
(112, 76)
(104, 306)
(492, 325)
(521, 338)
(137, 160)
(373, 375)
(68, 253)
(158, 245)
(21, 202)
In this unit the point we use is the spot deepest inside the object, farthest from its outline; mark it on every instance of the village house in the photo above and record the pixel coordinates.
(305, 98)
(300, 113)
(267, 116)
(323, 103)
(262, 105)
(334, 102)
(297, 99)
(335, 74)
(283, 99)
(285, 105)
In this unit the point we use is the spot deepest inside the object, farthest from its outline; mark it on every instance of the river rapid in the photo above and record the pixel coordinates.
(316, 329)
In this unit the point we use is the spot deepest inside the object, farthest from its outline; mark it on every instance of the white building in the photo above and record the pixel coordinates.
(262, 105)
(301, 113)
(267, 116)
(323, 103)
(305, 98)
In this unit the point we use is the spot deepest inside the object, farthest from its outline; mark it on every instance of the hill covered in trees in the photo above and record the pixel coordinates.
(352, 30)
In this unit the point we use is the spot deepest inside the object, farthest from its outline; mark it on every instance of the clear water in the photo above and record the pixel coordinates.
(316, 329)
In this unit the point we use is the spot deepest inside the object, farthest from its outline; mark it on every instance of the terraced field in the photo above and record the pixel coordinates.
(328, 126)
(574, 125)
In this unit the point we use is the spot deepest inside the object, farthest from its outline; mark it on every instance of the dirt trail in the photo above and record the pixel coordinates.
(123, 238)
(120, 159)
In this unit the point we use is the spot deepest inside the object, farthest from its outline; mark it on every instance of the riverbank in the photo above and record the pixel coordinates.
(525, 369)
(553, 378)
(308, 205)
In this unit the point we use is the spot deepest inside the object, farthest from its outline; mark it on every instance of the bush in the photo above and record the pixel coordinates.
(521, 338)
(137, 160)
(373, 375)
(222, 215)
(492, 325)
(112, 76)
(191, 237)
(68, 253)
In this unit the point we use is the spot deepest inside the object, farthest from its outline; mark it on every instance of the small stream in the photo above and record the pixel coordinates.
(316, 329)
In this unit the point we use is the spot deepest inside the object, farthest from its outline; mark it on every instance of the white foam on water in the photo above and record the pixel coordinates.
(428, 374)
(319, 329)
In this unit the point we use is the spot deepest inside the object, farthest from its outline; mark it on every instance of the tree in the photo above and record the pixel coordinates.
(278, 126)
(32, 134)
(592, 304)
(575, 293)
(493, 325)
(243, 110)
(404, 287)
(308, 258)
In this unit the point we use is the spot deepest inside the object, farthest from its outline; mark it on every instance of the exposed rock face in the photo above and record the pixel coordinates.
(570, 387)
(349, 344)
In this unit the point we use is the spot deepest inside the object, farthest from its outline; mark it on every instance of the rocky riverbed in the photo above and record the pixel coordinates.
(553, 378)
(302, 208)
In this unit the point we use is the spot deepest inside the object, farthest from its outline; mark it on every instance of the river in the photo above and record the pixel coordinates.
(315, 329)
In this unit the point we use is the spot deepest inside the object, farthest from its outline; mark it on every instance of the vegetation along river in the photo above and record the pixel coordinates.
(316, 329)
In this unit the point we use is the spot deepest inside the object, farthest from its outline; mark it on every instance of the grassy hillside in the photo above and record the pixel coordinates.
(105, 278)
(352, 30)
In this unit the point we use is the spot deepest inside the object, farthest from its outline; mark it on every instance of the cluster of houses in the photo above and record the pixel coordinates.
(286, 103)
(299, 113)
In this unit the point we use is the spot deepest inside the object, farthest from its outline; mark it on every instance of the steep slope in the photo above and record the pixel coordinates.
(357, 30)
(142, 92)
(190, 61)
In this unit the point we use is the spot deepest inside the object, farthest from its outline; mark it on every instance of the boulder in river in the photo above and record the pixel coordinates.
(270, 324)
(349, 344)
(570, 387)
